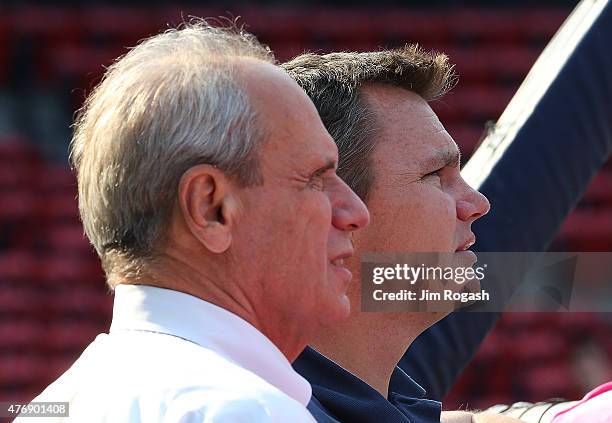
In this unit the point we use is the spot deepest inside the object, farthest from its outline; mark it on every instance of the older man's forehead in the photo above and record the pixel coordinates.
(312, 148)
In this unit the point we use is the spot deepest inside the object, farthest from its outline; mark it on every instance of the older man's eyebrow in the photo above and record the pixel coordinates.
(451, 158)
(329, 164)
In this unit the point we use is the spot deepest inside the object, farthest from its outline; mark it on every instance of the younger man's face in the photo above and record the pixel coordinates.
(418, 202)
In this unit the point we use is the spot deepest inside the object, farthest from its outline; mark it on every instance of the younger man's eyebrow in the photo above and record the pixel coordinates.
(442, 159)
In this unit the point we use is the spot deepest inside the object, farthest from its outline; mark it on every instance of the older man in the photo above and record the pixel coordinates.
(397, 156)
(214, 205)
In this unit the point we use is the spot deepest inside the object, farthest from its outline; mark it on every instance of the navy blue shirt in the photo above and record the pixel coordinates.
(340, 396)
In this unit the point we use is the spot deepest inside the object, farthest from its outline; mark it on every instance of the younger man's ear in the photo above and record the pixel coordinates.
(207, 203)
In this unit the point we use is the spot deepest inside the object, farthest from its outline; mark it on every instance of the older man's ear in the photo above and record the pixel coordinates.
(206, 198)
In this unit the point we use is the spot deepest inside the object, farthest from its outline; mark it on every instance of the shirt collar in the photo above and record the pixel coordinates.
(338, 395)
(148, 308)
(403, 384)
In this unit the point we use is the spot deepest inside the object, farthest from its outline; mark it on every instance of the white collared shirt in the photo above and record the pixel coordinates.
(172, 357)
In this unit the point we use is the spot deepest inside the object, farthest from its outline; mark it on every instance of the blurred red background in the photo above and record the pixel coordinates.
(53, 300)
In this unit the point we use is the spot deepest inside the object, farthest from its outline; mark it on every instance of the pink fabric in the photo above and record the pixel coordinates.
(595, 407)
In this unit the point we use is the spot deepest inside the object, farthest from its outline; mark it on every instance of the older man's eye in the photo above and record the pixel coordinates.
(316, 182)
(435, 173)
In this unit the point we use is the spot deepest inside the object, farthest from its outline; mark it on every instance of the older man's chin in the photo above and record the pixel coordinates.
(335, 307)
(337, 311)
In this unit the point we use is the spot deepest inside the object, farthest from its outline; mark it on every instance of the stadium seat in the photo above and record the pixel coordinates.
(476, 103)
(484, 27)
(71, 336)
(599, 192)
(42, 31)
(6, 44)
(18, 368)
(15, 147)
(19, 266)
(58, 179)
(341, 25)
(19, 301)
(112, 26)
(588, 230)
(494, 345)
(538, 25)
(21, 335)
(550, 380)
(501, 65)
(80, 67)
(67, 239)
(286, 50)
(17, 205)
(62, 268)
(46, 23)
(290, 26)
(540, 346)
(15, 175)
(84, 304)
(60, 207)
(397, 27)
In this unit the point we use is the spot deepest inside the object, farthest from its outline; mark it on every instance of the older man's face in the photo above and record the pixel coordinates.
(297, 227)
(419, 202)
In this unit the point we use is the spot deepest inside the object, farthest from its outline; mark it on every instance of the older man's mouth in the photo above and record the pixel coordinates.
(338, 265)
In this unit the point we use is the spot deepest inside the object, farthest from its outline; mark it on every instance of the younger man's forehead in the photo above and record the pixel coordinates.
(445, 157)
(409, 132)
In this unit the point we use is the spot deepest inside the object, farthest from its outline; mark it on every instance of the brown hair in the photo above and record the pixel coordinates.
(333, 83)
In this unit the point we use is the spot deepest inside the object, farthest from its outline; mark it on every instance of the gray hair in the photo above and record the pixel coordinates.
(171, 102)
(333, 82)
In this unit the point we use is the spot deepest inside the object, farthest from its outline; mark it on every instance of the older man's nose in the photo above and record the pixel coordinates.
(349, 213)
(473, 206)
